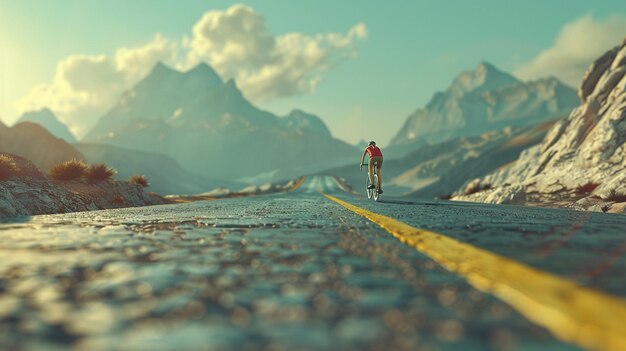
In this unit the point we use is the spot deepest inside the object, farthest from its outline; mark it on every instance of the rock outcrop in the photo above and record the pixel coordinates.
(30, 192)
(582, 156)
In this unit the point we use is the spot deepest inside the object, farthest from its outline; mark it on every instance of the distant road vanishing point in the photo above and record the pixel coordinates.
(314, 269)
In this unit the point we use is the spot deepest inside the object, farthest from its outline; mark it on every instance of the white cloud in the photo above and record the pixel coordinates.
(85, 86)
(236, 37)
(137, 62)
(578, 44)
(81, 84)
(235, 42)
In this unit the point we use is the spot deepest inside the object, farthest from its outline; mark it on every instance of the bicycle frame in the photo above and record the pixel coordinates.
(372, 192)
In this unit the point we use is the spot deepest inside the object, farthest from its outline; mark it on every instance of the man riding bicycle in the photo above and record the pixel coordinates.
(376, 157)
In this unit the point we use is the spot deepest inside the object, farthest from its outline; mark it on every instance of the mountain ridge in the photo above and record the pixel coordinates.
(34, 142)
(485, 99)
(47, 119)
(179, 113)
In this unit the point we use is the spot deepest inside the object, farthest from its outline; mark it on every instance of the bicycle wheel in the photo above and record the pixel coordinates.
(375, 190)
(369, 191)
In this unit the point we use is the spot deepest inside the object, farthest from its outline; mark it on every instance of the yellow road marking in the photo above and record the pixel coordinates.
(298, 183)
(573, 313)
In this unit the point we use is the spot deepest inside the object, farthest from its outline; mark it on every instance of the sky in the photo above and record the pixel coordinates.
(361, 65)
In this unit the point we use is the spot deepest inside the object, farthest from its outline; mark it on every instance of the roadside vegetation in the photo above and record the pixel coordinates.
(69, 170)
(100, 172)
(118, 200)
(8, 167)
(615, 196)
(79, 170)
(140, 179)
(586, 188)
(474, 188)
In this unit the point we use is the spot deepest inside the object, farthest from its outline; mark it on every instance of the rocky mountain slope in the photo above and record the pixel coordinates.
(211, 129)
(438, 170)
(49, 121)
(30, 192)
(583, 157)
(33, 142)
(166, 176)
(482, 100)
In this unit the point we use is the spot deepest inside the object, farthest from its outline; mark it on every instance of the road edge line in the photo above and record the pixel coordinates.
(573, 313)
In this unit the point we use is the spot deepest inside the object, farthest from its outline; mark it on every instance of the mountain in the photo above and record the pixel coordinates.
(210, 128)
(361, 144)
(302, 121)
(165, 175)
(581, 156)
(482, 100)
(48, 120)
(33, 142)
(440, 169)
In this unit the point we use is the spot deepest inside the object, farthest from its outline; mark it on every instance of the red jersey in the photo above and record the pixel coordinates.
(373, 151)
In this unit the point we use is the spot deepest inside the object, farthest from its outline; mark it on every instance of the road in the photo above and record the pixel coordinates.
(301, 271)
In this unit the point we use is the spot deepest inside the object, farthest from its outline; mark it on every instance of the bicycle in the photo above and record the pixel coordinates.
(372, 192)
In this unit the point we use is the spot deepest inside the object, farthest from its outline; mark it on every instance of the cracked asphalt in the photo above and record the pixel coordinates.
(288, 271)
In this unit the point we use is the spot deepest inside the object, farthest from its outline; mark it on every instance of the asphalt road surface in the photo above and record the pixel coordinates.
(301, 271)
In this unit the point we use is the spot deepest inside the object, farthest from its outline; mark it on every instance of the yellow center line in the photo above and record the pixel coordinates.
(573, 313)
(298, 183)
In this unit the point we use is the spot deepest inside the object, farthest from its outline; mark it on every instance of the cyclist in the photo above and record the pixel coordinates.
(376, 156)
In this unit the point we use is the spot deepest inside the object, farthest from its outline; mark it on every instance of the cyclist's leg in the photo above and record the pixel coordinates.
(380, 174)
(370, 169)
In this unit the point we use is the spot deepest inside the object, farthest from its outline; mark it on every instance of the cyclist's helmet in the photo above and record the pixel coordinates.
(372, 143)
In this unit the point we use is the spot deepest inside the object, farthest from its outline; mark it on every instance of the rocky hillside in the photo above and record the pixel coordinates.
(482, 100)
(210, 128)
(30, 192)
(582, 158)
(33, 142)
(49, 121)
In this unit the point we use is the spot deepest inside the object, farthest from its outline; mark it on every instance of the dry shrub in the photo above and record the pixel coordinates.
(445, 197)
(139, 179)
(118, 200)
(474, 188)
(69, 170)
(8, 167)
(100, 172)
(586, 188)
(615, 196)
